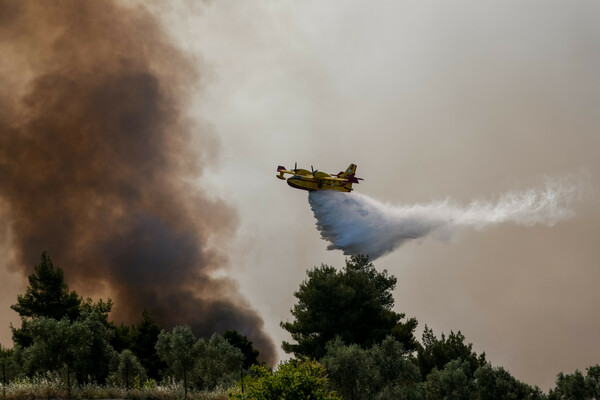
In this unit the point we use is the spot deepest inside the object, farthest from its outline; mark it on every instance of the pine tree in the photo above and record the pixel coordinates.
(46, 296)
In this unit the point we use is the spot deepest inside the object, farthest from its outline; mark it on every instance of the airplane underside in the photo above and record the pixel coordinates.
(311, 186)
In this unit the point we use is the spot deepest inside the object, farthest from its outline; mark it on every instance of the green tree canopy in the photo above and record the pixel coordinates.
(384, 371)
(592, 381)
(217, 361)
(96, 366)
(241, 342)
(354, 304)
(127, 369)
(177, 348)
(46, 296)
(8, 366)
(576, 386)
(293, 380)
(493, 383)
(436, 353)
(122, 336)
(56, 344)
(81, 346)
(202, 363)
(454, 381)
(144, 336)
(351, 370)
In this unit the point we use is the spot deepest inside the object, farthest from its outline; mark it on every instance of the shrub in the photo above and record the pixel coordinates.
(294, 380)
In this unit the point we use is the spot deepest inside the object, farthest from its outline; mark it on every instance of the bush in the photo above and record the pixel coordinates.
(129, 371)
(383, 371)
(294, 380)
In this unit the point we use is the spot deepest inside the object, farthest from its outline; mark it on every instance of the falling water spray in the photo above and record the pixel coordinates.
(358, 224)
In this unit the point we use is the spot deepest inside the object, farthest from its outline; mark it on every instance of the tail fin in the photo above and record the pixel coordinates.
(350, 174)
(350, 171)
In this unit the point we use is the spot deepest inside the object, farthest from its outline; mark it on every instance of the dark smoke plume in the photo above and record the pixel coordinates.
(95, 151)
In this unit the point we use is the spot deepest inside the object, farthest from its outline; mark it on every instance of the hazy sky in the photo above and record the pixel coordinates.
(432, 100)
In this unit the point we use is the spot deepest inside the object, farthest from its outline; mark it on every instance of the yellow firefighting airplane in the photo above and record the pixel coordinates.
(316, 180)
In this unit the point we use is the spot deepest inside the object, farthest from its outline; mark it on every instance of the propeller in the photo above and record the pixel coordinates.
(314, 171)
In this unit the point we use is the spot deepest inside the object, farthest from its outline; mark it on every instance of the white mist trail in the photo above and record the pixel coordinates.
(358, 224)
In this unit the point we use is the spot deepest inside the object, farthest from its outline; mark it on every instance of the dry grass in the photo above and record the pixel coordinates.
(51, 386)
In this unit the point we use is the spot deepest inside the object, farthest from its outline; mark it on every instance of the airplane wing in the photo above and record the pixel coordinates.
(351, 179)
(298, 171)
(334, 180)
(281, 170)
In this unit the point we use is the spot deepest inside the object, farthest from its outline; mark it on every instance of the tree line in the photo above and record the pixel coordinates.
(347, 343)
(345, 320)
(62, 332)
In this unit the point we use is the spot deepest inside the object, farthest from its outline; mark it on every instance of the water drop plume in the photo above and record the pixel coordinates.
(358, 224)
(99, 163)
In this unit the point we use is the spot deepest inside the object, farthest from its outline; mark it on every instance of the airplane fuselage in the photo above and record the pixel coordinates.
(298, 182)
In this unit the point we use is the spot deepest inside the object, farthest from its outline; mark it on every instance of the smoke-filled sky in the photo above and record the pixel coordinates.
(97, 158)
(436, 102)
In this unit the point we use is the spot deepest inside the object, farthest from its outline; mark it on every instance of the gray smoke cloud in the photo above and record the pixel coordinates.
(358, 224)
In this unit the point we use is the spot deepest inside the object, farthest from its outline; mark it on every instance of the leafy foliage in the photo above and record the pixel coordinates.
(128, 369)
(178, 351)
(497, 383)
(249, 353)
(217, 361)
(358, 373)
(56, 344)
(96, 366)
(81, 346)
(294, 380)
(143, 343)
(200, 363)
(46, 296)
(354, 304)
(345, 317)
(350, 368)
(121, 338)
(436, 353)
(576, 386)
(452, 382)
(8, 367)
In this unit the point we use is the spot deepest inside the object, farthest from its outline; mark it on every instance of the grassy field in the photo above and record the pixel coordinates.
(50, 386)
